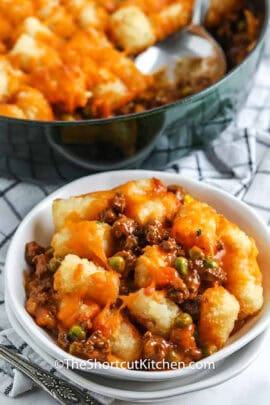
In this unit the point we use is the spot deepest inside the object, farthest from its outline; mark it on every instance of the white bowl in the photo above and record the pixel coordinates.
(38, 226)
(153, 391)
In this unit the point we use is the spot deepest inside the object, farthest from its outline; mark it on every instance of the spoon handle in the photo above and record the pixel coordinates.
(62, 391)
(200, 10)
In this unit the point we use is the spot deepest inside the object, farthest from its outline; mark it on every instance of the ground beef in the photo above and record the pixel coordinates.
(32, 249)
(185, 341)
(154, 347)
(170, 245)
(193, 282)
(119, 203)
(97, 346)
(40, 290)
(178, 291)
(192, 307)
(63, 340)
(155, 232)
(41, 264)
(214, 275)
(130, 259)
(108, 216)
(173, 249)
(131, 243)
(41, 302)
(123, 227)
(124, 288)
(127, 278)
(207, 274)
(220, 246)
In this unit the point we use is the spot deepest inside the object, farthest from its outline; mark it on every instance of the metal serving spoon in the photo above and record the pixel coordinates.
(61, 390)
(193, 43)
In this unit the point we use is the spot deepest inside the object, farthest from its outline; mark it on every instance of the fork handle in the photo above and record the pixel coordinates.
(61, 390)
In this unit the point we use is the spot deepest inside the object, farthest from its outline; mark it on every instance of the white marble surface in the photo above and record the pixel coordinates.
(252, 387)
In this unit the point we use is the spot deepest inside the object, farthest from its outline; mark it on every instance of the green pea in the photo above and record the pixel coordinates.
(117, 263)
(53, 264)
(209, 350)
(195, 253)
(173, 356)
(183, 320)
(76, 332)
(210, 263)
(72, 349)
(68, 117)
(181, 265)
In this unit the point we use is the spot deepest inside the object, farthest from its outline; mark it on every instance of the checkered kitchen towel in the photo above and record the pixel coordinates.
(239, 162)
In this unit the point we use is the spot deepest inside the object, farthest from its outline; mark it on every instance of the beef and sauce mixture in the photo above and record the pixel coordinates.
(74, 59)
(142, 271)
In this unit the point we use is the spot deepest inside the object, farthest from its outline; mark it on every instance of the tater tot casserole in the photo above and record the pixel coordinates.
(74, 59)
(142, 271)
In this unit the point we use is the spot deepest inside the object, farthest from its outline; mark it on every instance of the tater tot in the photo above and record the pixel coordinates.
(61, 23)
(74, 309)
(152, 268)
(131, 29)
(46, 7)
(109, 95)
(12, 111)
(161, 205)
(63, 85)
(219, 311)
(35, 28)
(111, 77)
(56, 17)
(16, 11)
(34, 104)
(10, 80)
(148, 200)
(88, 13)
(192, 217)
(124, 338)
(171, 18)
(244, 279)
(93, 16)
(29, 53)
(87, 206)
(83, 278)
(122, 67)
(153, 310)
(88, 239)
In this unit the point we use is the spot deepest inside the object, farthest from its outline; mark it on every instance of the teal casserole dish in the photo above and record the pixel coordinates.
(62, 150)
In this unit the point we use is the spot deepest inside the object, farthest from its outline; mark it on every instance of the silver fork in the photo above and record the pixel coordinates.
(61, 390)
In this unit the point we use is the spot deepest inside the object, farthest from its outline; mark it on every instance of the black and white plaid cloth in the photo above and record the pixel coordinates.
(238, 161)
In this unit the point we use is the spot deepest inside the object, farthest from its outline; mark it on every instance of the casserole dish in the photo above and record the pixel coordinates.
(75, 147)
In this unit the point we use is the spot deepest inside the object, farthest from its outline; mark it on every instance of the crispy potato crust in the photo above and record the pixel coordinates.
(219, 311)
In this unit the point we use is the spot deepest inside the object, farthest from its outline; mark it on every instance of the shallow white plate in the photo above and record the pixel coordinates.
(152, 391)
(38, 226)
